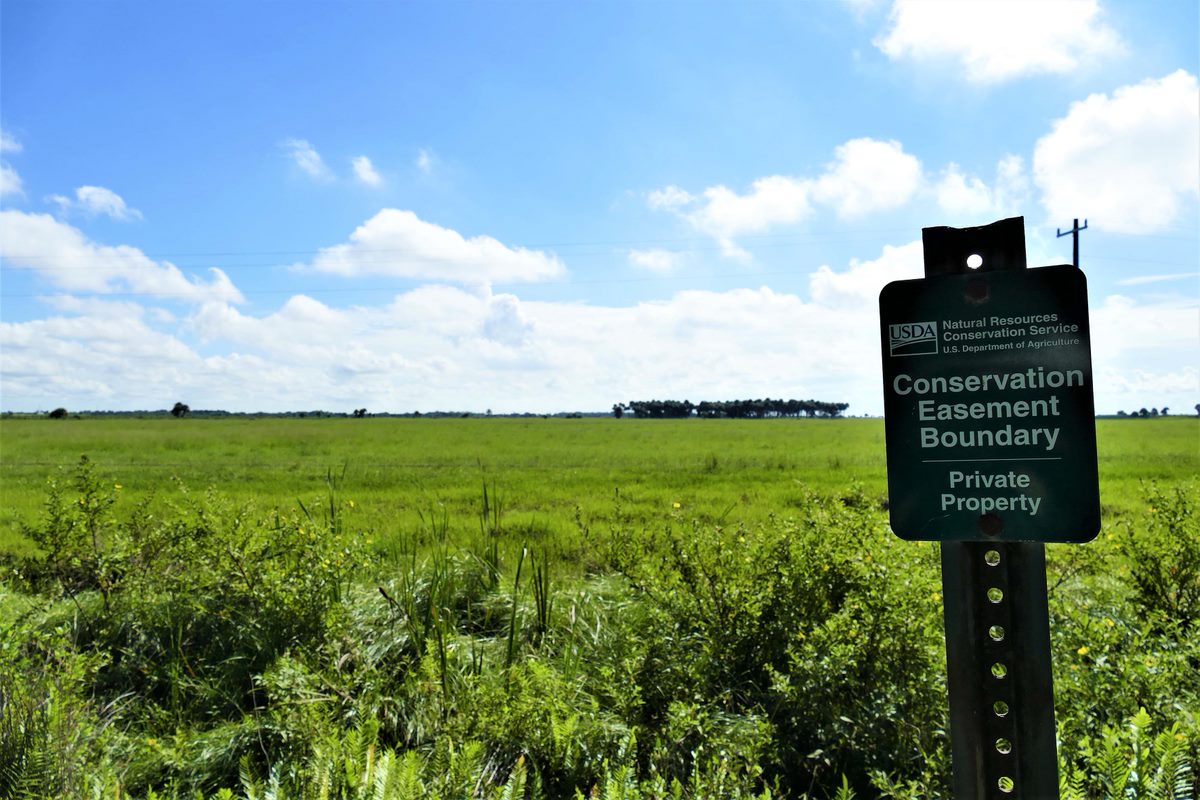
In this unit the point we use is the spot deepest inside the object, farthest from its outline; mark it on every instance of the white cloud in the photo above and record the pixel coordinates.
(866, 175)
(957, 192)
(774, 200)
(396, 242)
(305, 156)
(96, 201)
(442, 347)
(999, 40)
(1140, 279)
(62, 255)
(655, 260)
(9, 143)
(668, 197)
(1122, 325)
(1145, 353)
(967, 199)
(1128, 162)
(425, 160)
(505, 322)
(10, 181)
(861, 283)
(97, 355)
(364, 170)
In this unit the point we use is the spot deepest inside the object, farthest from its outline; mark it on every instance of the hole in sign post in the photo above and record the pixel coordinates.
(999, 670)
(990, 524)
(997, 633)
(1000, 708)
(974, 261)
(991, 558)
(994, 595)
(1005, 784)
(1003, 746)
(976, 291)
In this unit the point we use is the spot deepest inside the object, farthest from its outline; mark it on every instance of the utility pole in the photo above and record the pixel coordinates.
(1074, 234)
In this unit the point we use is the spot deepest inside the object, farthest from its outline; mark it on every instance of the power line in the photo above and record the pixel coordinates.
(201, 292)
(619, 244)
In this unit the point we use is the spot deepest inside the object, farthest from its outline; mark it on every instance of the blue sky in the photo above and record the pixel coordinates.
(558, 206)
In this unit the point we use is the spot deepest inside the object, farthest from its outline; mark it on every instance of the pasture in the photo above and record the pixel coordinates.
(535, 607)
(544, 469)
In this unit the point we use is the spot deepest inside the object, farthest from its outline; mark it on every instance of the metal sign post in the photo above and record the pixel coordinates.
(991, 451)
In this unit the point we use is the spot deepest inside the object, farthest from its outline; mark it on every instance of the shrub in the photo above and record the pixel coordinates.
(185, 607)
(1164, 557)
(796, 623)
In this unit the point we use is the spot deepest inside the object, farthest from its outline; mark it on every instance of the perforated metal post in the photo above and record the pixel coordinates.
(996, 613)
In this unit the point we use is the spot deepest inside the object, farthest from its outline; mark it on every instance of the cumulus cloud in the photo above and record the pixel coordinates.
(306, 157)
(97, 201)
(398, 243)
(63, 256)
(94, 354)
(868, 175)
(1127, 162)
(865, 175)
(655, 260)
(861, 282)
(365, 172)
(1144, 353)
(10, 181)
(445, 347)
(966, 199)
(771, 201)
(999, 40)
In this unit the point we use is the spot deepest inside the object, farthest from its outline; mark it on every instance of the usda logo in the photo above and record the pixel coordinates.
(913, 339)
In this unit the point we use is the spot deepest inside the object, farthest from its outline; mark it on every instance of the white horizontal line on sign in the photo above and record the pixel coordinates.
(963, 460)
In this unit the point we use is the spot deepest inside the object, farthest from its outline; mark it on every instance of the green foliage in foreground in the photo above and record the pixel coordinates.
(192, 647)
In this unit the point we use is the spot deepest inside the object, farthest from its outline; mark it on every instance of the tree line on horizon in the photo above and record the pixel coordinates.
(729, 409)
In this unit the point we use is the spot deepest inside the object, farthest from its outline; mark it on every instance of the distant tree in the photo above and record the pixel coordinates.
(360, 412)
(1154, 412)
(1165, 410)
(180, 410)
(618, 410)
(58, 413)
(1122, 414)
(1198, 409)
(1143, 413)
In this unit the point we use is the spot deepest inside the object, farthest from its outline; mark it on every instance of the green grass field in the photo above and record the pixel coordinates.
(544, 469)
(545, 608)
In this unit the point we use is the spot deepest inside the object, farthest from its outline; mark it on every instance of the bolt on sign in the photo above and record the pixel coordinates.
(988, 409)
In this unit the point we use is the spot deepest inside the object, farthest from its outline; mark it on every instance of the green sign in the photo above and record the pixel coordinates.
(988, 409)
